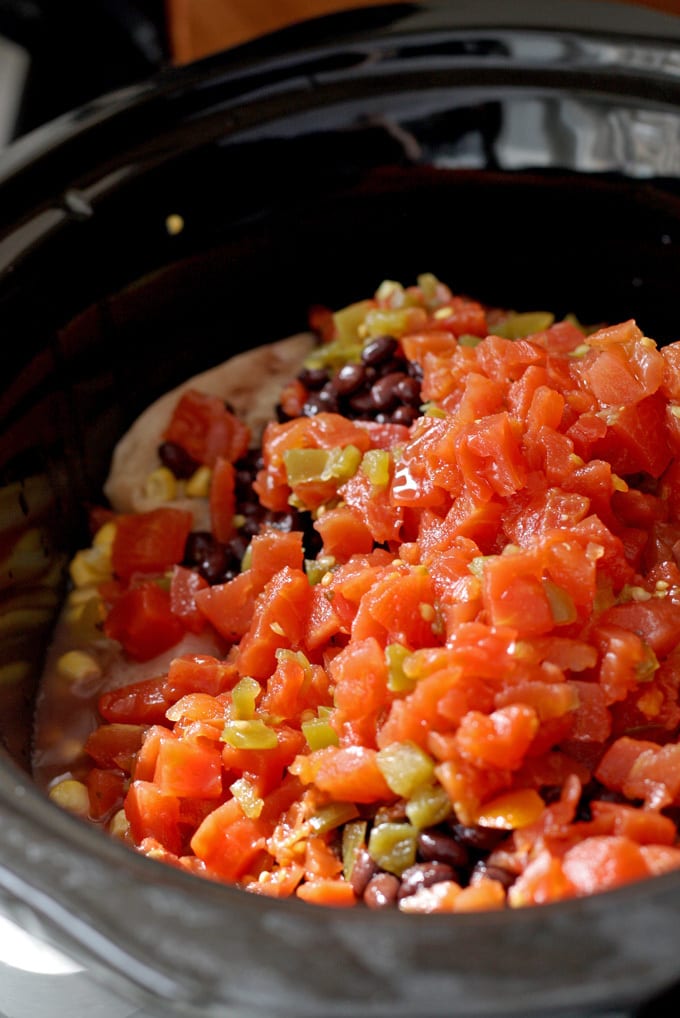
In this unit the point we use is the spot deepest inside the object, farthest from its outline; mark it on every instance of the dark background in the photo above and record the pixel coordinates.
(79, 49)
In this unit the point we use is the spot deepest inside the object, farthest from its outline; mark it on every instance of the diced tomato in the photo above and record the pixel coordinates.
(115, 744)
(142, 703)
(600, 863)
(106, 790)
(198, 673)
(222, 499)
(184, 585)
(145, 764)
(271, 551)
(344, 533)
(228, 842)
(326, 891)
(656, 622)
(229, 606)
(204, 427)
(153, 813)
(350, 774)
(627, 446)
(142, 620)
(645, 827)
(280, 621)
(359, 673)
(398, 608)
(500, 739)
(187, 770)
(266, 766)
(149, 542)
(295, 686)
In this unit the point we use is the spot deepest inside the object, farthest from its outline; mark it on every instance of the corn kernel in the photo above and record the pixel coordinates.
(160, 485)
(90, 567)
(78, 665)
(71, 795)
(174, 223)
(119, 825)
(105, 536)
(198, 485)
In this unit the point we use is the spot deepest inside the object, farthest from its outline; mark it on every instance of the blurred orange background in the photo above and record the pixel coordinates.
(200, 27)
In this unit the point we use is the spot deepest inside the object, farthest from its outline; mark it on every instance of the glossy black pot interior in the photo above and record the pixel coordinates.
(530, 165)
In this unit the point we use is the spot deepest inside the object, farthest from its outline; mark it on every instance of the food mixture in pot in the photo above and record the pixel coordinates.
(388, 615)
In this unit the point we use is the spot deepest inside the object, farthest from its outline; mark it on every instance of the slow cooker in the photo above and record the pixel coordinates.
(529, 156)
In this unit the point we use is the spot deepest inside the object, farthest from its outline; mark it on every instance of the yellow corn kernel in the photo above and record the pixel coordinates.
(198, 485)
(174, 223)
(90, 567)
(71, 795)
(160, 486)
(105, 536)
(78, 665)
(119, 825)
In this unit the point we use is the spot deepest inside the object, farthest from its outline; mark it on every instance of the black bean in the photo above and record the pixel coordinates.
(349, 378)
(392, 814)
(284, 521)
(363, 870)
(212, 559)
(379, 349)
(408, 390)
(482, 839)
(313, 405)
(250, 508)
(415, 371)
(382, 891)
(325, 401)
(404, 415)
(237, 546)
(313, 378)
(177, 459)
(361, 404)
(330, 398)
(424, 874)
(252, 526)
(435, 845)
(243, 485)
(392, 364)
(251, 461)
(281, 416)
(499, 873)
(383, 394)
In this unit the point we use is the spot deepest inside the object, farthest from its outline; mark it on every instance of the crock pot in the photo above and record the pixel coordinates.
(530, 158)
